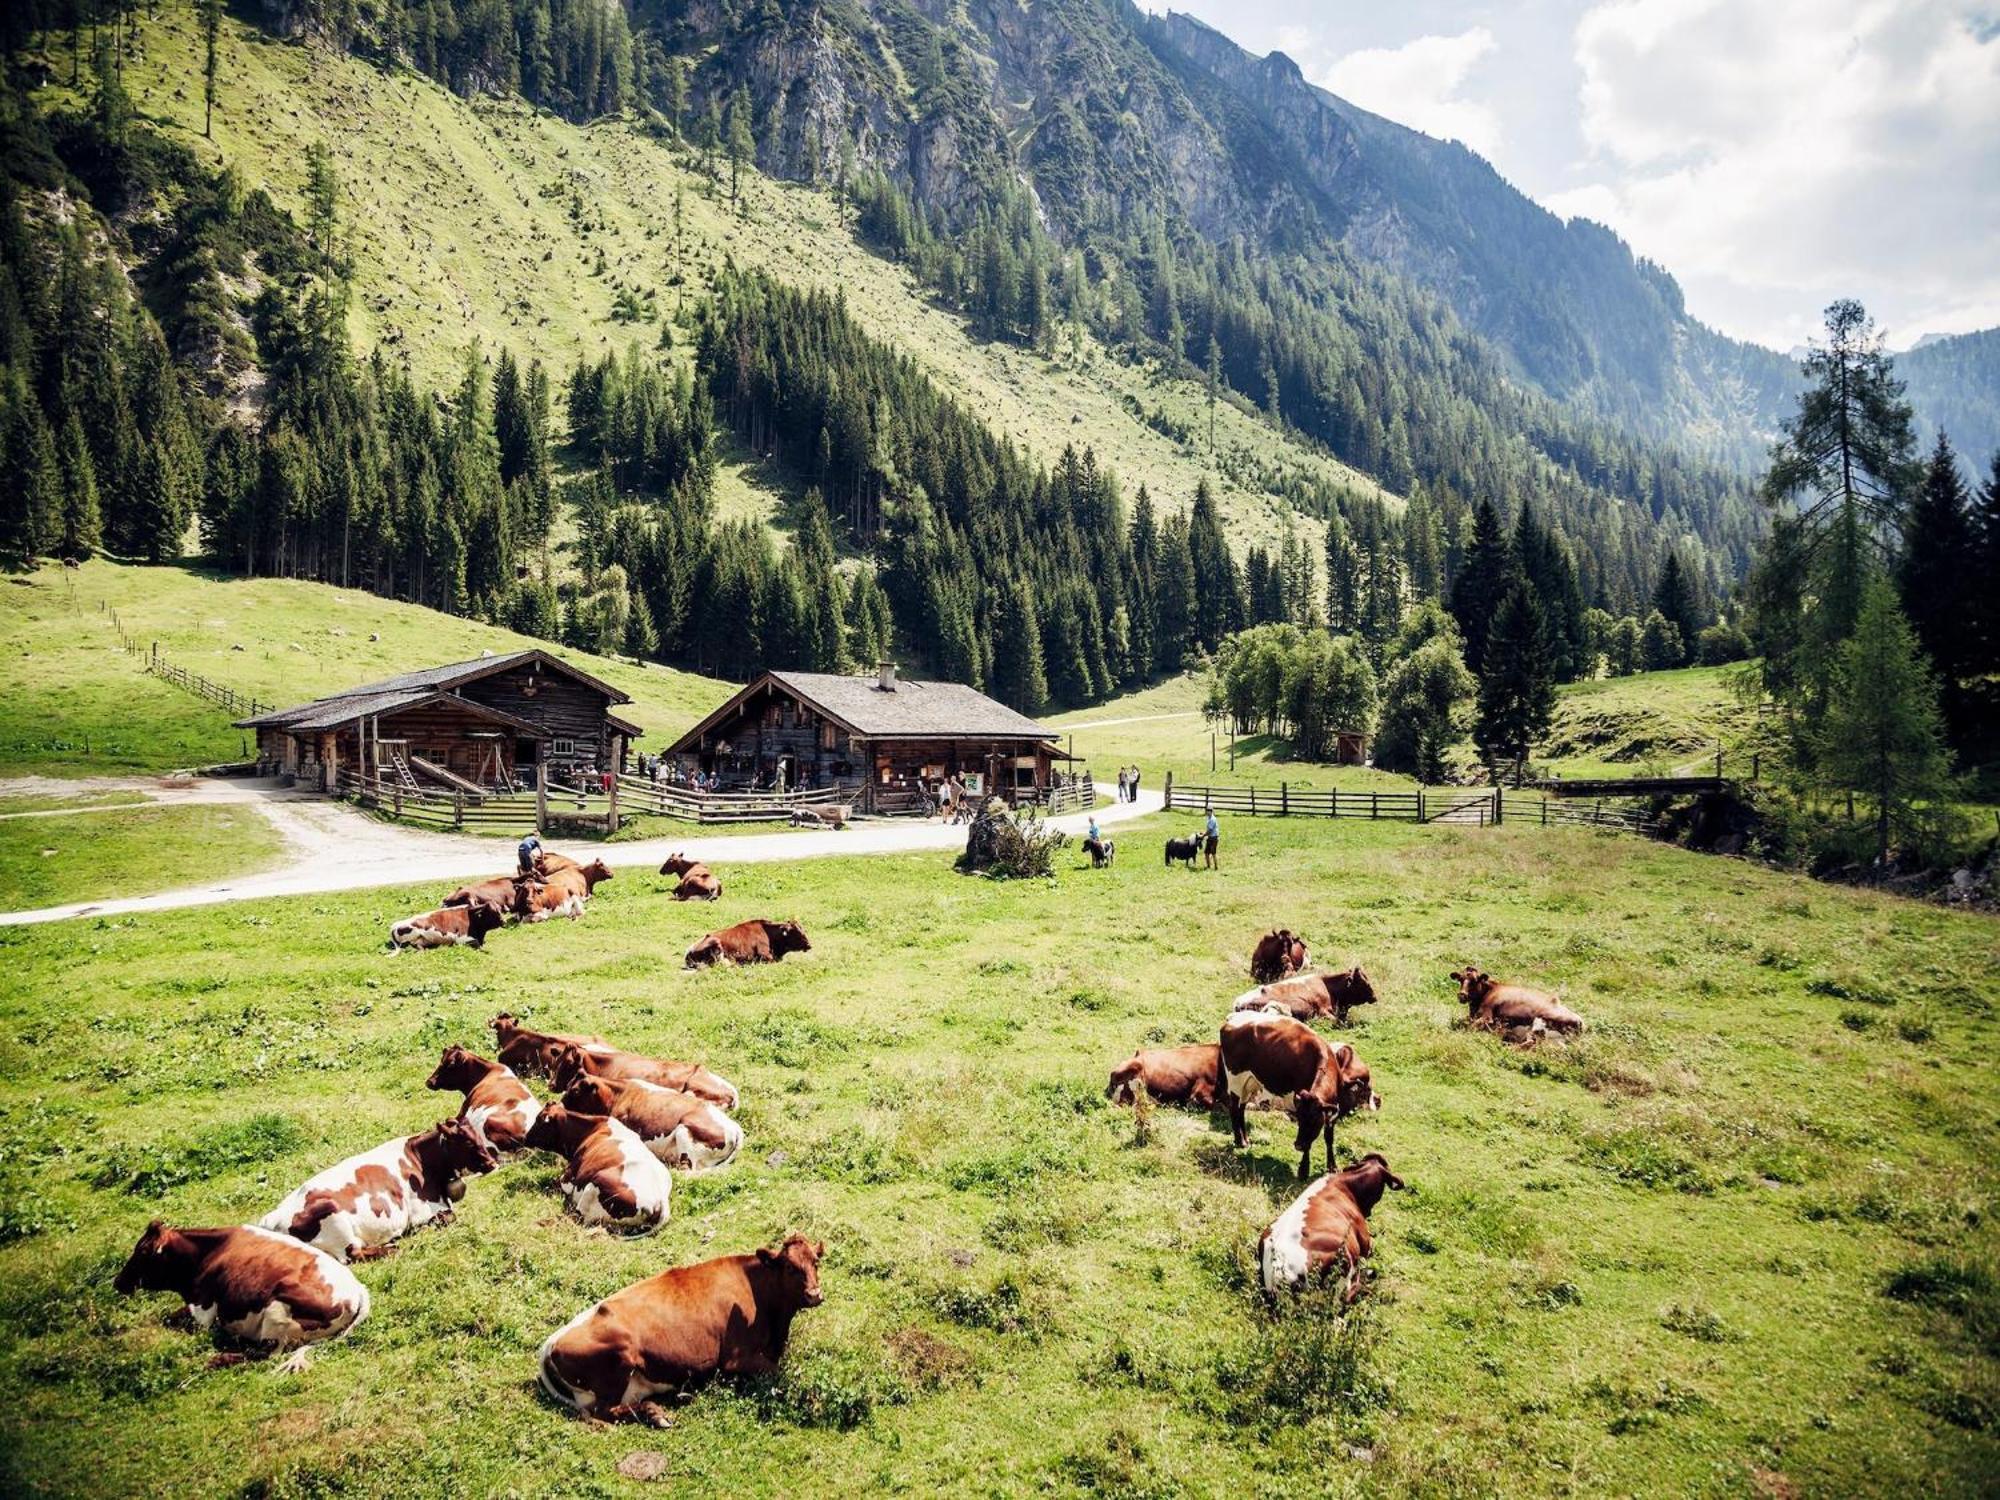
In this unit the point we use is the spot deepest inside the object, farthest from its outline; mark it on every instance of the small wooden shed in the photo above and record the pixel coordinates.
(491, 724)
(875, 737)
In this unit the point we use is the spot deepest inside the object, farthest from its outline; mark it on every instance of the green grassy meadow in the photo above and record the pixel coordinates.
(53, 861)
(77, 705)
(1737, 1239)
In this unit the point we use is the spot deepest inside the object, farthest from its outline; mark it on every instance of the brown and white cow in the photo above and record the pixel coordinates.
(497, 1105)
(1305, 997)
(569, 1063)
(563, 893)
(356, 1208)
(532, 1052)
(1326, 1229)
(1189, 1075)
(1278, 953)
(1272, 1057)
(697, 881)
(728, 1316)
(683, 1130)
(249, 1284)
(610, 1177)
(1515, 1011)
(448, 926)
(757, 941)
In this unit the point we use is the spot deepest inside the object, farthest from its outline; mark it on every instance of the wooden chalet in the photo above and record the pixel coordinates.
(497, 723)
(874, 737)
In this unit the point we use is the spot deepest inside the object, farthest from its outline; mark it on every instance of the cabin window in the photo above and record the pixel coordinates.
(562, 747)
(826, 735)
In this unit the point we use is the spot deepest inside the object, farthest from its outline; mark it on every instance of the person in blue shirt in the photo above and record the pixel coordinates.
(529, 848)
(1093, 828)
(1214, 837)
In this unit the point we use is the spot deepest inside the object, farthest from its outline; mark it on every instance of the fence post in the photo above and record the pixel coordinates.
(457, 808)
(541, 798)
(1545, 812)
(1333, 804)
(1208, 799)
(398, 811)
(1284, 799)
(611, 808)
(1420, 805)
(1374, 806)
(1499, 808)
(1170, 791)
(1253, 802)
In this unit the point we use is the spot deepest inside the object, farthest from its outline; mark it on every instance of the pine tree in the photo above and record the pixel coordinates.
(742, 144)
(641, 639)
(35, 502)
(209, 14)
(80, 530)
(1941, 591)
(1673, 599)
(1882, 736)
(1985, 563)
(1516, 685)
(1489, 574)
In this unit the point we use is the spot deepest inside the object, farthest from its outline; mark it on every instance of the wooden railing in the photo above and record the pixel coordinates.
(1425, 805)
(238, 705)
(461, 811)
(636, 794)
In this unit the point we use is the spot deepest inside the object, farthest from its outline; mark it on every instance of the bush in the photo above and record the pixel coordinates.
(1721, 644)
(1308, 1357)
(1008, 848)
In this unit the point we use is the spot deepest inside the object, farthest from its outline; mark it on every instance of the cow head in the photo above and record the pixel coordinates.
(595, 873)
(548, 1131)
(677, 864)
(454, 1070)
(155, 1261)
(460, 1151)
(788, 937)
(797, 1264)
(482, 917)
(1473, 985)
(1351, 989)
(590, 1096)
(1375, 1162)
(565, 1062)
(505, 1027)
(1343, 1086)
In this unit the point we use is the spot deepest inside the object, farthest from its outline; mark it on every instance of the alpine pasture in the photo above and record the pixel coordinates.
(1737, 1237)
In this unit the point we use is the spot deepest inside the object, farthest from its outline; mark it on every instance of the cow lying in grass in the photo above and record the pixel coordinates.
(1272, 1057)
(1190, 1075)
(697, 881)
(683, 1130)
(1515, 1011)
(249, 1284)
(497, 1105)
(533, 1052)
(448, 927)
(609, 1177)
(1325, 1230)
(564, 893)
(1278, 953)
(728, 1316)
(356, 1209)
(1306, 997)
(757, 941)
(568, 1063)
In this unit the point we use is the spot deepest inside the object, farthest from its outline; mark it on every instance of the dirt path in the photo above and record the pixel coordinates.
(330, 846)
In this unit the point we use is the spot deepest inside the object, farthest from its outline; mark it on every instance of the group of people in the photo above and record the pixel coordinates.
(951, 800)
(1128, 783)
(661, 771)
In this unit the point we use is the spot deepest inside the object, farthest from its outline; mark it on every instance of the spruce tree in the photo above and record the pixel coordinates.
(1985, 564)
(1673, 599)
(1941, 589)
(742, 143)
(80, 531)
(1516, 685)
(209, 14)
(35, 501)
(1882, 736)
(1489, 574)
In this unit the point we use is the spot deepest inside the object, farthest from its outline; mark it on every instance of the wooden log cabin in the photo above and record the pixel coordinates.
(496, 723)
(874, 737)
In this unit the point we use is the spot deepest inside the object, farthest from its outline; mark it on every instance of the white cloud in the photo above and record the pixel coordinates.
(1776, 155)
(1421, 84)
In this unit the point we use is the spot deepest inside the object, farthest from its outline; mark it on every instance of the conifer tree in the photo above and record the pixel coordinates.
(742, 143)
(1941, 591)
(1985, 563)
(1489, 574)
(1516, 685)
(80, 529)
(35, 499)
(1673, 600)
(209, 13)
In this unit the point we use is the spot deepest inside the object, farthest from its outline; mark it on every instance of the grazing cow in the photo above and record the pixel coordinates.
(1306, 996)
(697, 881)
(728, 1316)
(569, 1063)
(1173, 1075)
(610, 1177)
(1101, 852)
(1266, 1056)
(1183, 850)
(757, 941)
(683, 1130)
(448, 927)
(1326, 1229)
(354, 1209)
(502, 891)
(532, 1052)
(1278, 953)
(1516, 1012)
(497, 1105)
(249, 1283)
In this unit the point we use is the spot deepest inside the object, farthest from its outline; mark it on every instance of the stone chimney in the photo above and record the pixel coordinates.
(885, 676)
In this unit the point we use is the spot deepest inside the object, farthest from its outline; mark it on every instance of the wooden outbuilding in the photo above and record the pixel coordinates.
(496, 723)
(880, 739)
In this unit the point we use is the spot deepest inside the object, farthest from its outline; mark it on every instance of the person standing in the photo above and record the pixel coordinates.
(1135, 785)
(1121, 783)
(1213, 837)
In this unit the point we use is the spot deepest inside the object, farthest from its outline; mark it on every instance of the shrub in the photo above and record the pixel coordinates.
(1696, 1322)
(822, 1387)
(1009, 848)
(1307, 1357)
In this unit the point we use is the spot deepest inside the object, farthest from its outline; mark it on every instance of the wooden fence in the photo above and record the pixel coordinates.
(636, 794)
(1425, 805)
(511, 813)
(239, 705)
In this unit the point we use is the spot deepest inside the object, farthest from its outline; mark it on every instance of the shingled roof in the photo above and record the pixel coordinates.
(912, 710)
(410, 688)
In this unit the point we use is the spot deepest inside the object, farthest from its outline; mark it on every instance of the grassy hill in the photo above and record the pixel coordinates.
(487, 219)
(1738, 1239)
(77, 704)
(1665, 721)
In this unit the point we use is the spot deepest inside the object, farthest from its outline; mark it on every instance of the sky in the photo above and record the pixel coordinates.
(1772, 154)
